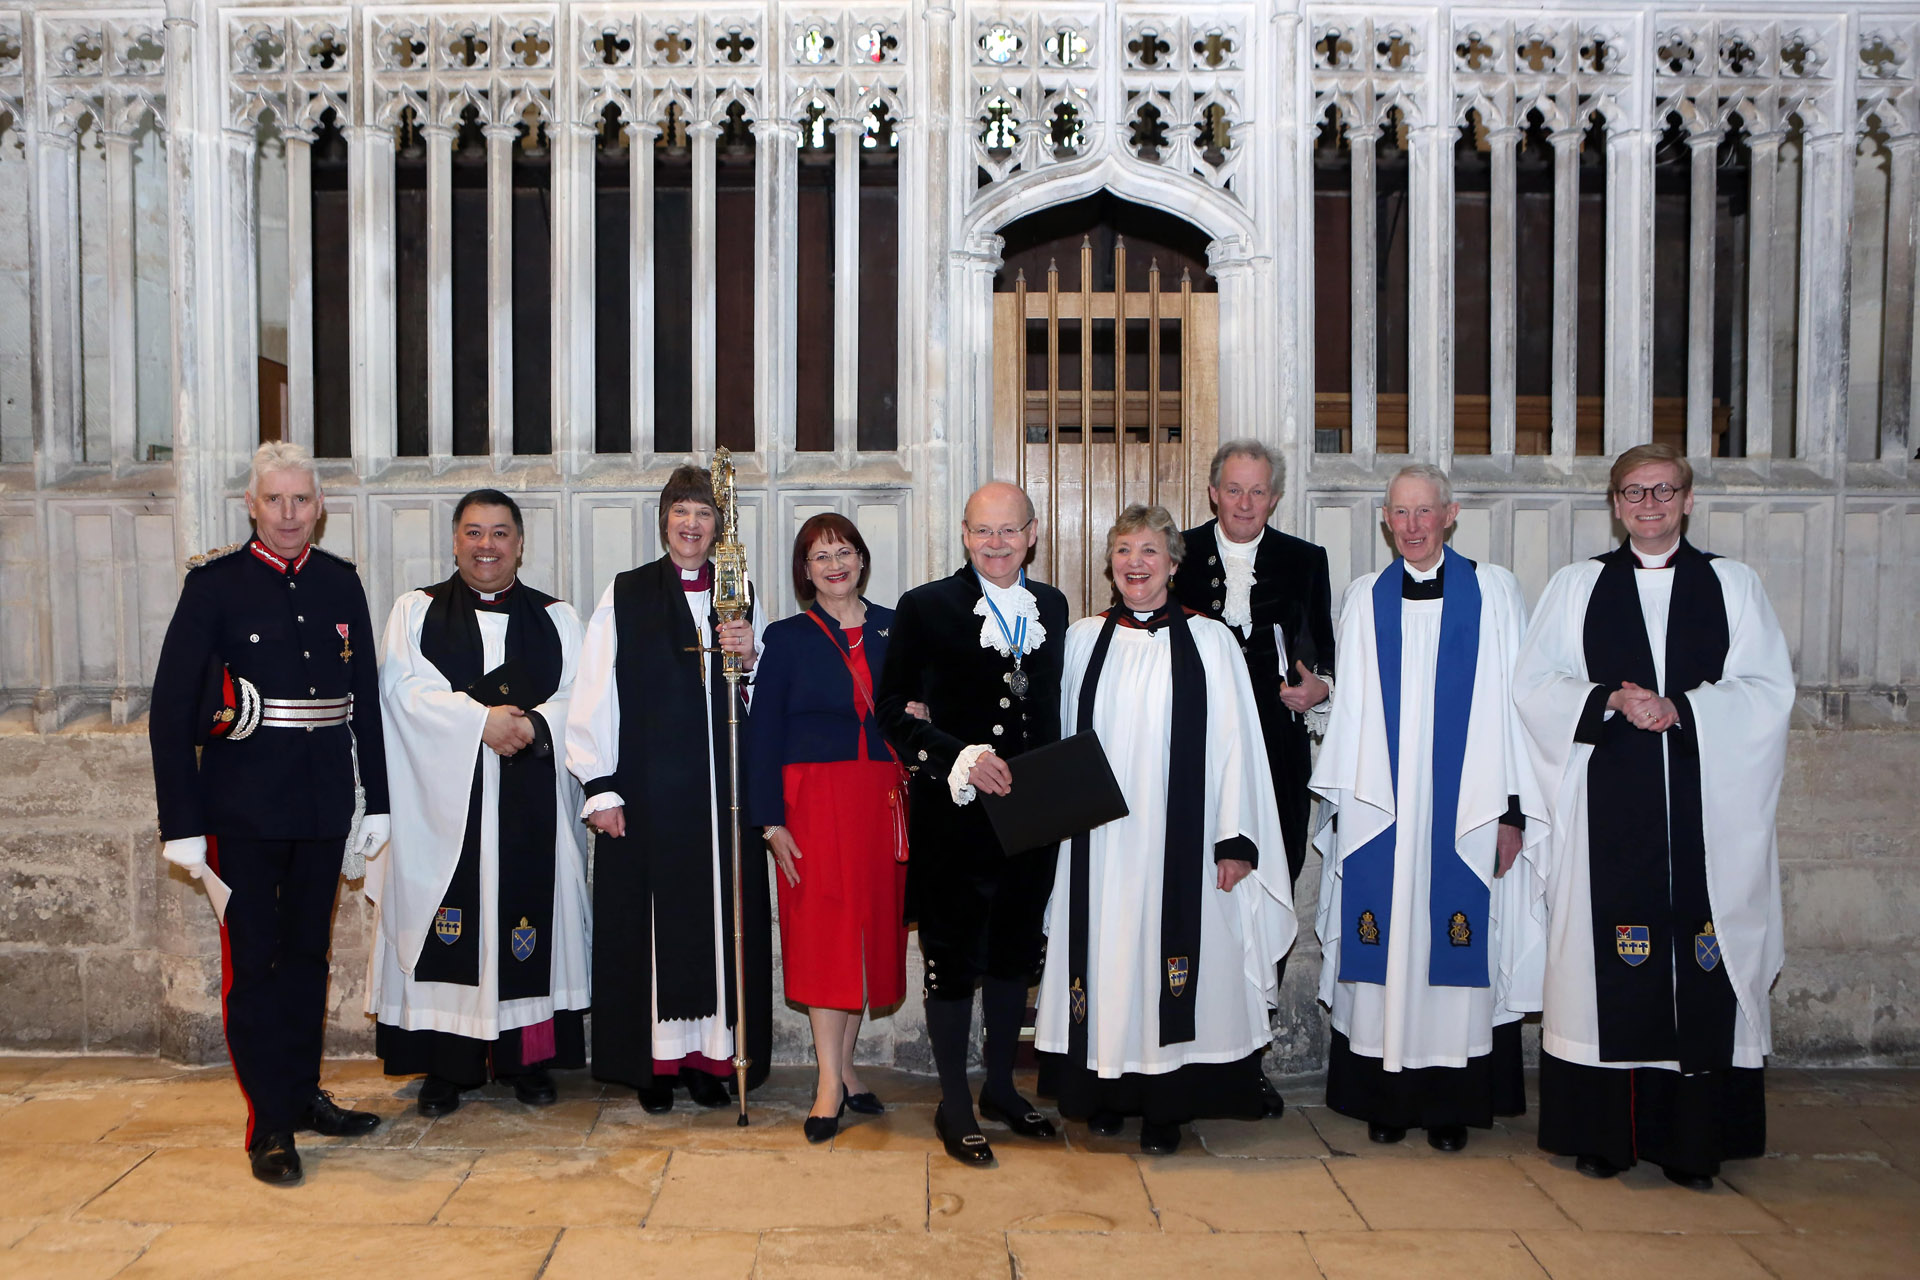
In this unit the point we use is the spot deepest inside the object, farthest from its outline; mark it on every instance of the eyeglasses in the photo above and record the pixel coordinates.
(825, 558)
(1005, 533)
(1662, 492)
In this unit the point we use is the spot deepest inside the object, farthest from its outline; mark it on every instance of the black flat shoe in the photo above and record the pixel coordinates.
(1021, 1117)
(708, 1091)
(1691, 1181)
(1107, 1124)
(274, 1160)
(1384, 1134)
(1595, 1166)
(1272, 1104)
(1159, 1139)
(865, 1104)
(535, 1088)
(821, 1129)
(1447, 1137)
(324, 1117)
(438, 1098)
(656, 1099)
(967, 1148)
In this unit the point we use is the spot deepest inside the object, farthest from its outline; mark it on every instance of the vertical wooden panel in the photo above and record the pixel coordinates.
(155, 590)
(90, 579)
(1473, 535)
(20, 607)
(1859, 592)
(1592, 531)
(1333, 529)
(1532, 551)
(884, 525)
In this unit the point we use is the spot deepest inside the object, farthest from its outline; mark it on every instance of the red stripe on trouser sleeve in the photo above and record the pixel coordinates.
(226, 985)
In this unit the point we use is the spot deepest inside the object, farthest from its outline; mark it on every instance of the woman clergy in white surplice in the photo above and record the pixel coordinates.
(479, 964)
(1432, 921)
(1165, 925)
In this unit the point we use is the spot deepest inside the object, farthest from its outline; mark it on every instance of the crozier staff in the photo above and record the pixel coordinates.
(278, 628)
(479, 963)
(1655, 688)
(647, 737)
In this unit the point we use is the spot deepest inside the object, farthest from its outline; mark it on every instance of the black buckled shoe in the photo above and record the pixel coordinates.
(1107, 1124)
(1596, 1166)
(968, 1148)
(708, 1091)
(656, 1099)
(1159, 1139)
(535, 1088)
(274, 1159)
(324, 1116)
(1447, 1137)
(1385, 1134)
(1271, 1103)
(1019, 1117)
(438, 1097)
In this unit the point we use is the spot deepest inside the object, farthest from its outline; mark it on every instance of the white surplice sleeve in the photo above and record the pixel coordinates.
(593, 712)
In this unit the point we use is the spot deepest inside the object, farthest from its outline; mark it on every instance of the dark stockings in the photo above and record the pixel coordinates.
(948, 1022)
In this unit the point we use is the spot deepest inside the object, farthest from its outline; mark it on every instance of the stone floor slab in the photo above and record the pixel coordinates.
(217, 1251)
(1059, 1255)
(75, 1264)
(58, 1179)
(882, 1255)
(514, 1124)
(1346, 1136)
(1641, 1199)
(17, 1073)
(1860, 1255)
(767, 1190)
(1431, 1255)
(342, 1185)
(1290, 1134)
(56, 1236)
(1247, 1195)
(191, 1115)
(1609, 1255)
(1464, 1193)
(775, 1126)
(63, 1118)
(904, 1127)
(1034, 1189)
(1817, 1194)
(534, 1188)
(652, 1253)
(1822, 1131)
(15, 1229)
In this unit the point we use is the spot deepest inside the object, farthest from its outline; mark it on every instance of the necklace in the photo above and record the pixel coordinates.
(1017, 680)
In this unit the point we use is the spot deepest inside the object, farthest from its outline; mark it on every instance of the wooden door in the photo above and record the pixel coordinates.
(1088, 418)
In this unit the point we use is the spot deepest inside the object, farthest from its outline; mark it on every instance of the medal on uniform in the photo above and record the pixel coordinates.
(346, 649)
(1017, 680)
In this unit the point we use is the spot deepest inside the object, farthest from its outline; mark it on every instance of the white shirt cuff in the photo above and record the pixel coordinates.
(1320, 712)
(963, 791)
(602, 800)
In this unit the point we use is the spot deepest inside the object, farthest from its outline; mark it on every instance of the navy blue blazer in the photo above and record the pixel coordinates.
(803, 704)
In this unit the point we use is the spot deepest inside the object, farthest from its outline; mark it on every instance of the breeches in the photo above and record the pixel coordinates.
(982, 922)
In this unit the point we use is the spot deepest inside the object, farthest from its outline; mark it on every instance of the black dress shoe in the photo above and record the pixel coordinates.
(1447, 1137)
(274, 1159)
(1595, 1166)
(1691, 1181)
(821, 1128)
(1384, 1133)
(1159, 1139)
(1107, 1124)
(865, 1104)
(708, 1091)
(967, 1148)
(438, 1097)
(1272, 1104)
(535, 1088)
(323, 1116)
(656, 1099)
(1020, 1117)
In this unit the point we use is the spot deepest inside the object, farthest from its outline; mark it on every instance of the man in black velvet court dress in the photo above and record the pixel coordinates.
(1272, 591)
(982, 650)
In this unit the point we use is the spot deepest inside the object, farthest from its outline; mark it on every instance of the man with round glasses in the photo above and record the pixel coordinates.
(1655, 688)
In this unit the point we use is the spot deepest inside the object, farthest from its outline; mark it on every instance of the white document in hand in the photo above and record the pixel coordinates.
(217, 892)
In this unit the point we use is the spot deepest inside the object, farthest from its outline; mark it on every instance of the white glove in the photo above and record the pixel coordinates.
(375, 830)
(190, 853)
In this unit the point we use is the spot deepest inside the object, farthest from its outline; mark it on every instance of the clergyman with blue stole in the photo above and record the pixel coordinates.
(1432, 924)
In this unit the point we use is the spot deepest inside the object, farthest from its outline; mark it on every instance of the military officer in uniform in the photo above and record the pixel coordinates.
(1272, 591)
(981, 649)
(267, 688)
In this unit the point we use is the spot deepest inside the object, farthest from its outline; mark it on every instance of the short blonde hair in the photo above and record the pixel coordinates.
(280, 455)
(1640, 455)
(1137, 518)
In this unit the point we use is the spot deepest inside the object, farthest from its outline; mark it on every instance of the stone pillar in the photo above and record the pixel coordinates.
(973, 268)
(1763, 146)
(122, 344)
(572, 334)
(439, 142)
(1363, 132)
(299, 144)
(846, 286)
(1502, 310)
(640, 142)
(370, 183)
(1430, 294)
(775, 241)
(703, 136)
(1566, 282)
(1628, 376)
(1702, 145)
(58, 323)
(500, 140)
(241, 331)
(1826, 186)
(1896, 371)
(945, 484)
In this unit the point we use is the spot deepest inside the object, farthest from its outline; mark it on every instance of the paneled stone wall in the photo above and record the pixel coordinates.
(105, 949)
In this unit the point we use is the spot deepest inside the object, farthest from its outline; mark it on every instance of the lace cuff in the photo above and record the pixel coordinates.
(1322, 711)
(963, 791)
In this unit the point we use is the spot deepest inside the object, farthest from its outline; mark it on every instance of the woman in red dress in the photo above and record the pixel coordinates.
(828, 791)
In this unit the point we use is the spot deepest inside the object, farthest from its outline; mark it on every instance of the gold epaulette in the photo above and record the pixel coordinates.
(208, 557)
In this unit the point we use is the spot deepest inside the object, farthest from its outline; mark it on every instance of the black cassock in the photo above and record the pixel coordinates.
(653, 887)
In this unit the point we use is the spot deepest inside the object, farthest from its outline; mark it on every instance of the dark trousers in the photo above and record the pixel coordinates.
(273, 961)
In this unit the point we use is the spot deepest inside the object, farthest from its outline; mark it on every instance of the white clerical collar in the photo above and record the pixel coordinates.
(491, 596)
(1425, 575)
(1657, 560)
(689, 575)
(1240, 550)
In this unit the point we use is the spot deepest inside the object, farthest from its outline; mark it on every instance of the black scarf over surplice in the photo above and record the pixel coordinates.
(1646, 842)
(450, 639)
(1181, 879)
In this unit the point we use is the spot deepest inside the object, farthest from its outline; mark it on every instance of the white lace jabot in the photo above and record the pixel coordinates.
(1237, 559)
(1014, 602)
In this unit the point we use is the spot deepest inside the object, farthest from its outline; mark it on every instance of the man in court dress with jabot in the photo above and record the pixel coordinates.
(1655, 687)
(981, 649)
(1432, 929)
(479, 963)
(647, 737)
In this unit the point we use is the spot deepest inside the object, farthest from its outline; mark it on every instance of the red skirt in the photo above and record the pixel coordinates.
(843, 940)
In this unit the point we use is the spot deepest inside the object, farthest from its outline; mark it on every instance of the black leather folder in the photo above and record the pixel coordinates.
(1059, 790)
(501, 686)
